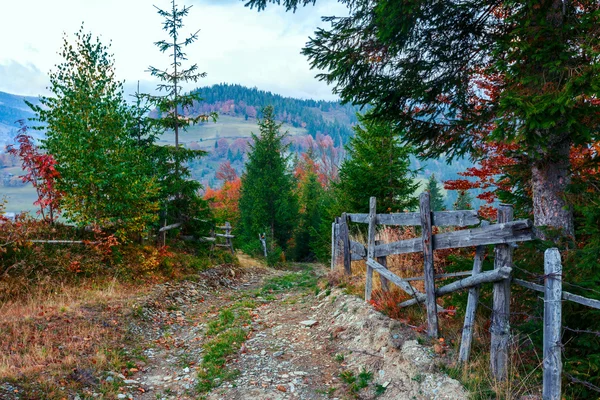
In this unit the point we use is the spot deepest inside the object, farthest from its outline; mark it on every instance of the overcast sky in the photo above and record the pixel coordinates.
(236, 44)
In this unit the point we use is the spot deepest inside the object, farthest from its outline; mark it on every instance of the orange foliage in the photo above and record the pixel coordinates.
(225, 201)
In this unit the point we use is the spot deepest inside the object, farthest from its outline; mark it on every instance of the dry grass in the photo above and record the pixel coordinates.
(476, 375)
(56, 338)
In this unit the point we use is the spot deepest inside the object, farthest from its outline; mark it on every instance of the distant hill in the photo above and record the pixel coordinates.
(316, 116)
(228, 138)
(12, 109)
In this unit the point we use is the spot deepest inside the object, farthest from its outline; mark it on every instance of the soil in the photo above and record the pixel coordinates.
(300, 345)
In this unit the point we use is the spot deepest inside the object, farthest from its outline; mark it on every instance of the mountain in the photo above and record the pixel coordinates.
(316, 116)
(12, 109)
(306, 121)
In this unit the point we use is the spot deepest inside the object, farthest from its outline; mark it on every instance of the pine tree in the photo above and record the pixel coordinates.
(267, 202)
(182, 200)
(311, 210)
(464, 201)
(435, 194)
(377, 165)
(433, 67)
(174, 102)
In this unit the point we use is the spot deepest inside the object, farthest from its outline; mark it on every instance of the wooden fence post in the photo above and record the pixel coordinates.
(385, 285)
(471, 312)
(229, 242)
(345, 234)
(371, 246)
(552, 324)
(263, 240)
(432, 320)
(333, 244)
(500, 327)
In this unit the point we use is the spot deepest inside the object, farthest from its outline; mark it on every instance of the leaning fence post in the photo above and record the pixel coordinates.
(371, 246)
(385, 286)
(432, 320)
(552, 324)
(471, 312)
(346, 245)
(500, 327)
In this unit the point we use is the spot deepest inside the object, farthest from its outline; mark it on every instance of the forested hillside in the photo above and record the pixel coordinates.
(12, 109)
(316, 116)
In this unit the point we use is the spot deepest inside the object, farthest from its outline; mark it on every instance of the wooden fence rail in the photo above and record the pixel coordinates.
(503, 235)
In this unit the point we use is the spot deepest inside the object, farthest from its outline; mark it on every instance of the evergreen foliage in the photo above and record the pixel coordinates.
(464, 201)
(316, 116)
(174, 101)
(311, 212)
(105, 178)
(181, 200)
(435, 194)
(267, 202)
(377, 165)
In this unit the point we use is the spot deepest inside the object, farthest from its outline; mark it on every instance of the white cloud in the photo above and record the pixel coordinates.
(236, 44)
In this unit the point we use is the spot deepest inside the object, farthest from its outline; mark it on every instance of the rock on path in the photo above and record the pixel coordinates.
(299, 345)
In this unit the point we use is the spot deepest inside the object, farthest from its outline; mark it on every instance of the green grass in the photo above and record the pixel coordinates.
(228, 334)
(226, 127)
(305, 279)
(358, 382)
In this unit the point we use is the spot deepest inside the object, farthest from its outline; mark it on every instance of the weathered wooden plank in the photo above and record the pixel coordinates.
(440, 276)
(552, 325)
(346, 245)
(383, 261)
(396, 280)
(224, 235)
(515, 231)
(500, 326)
(356, 257)
(484, 277)
(427, 243)
(565, 295)
(371, 246)
(169, 227)
(440, 218)
(471, 311)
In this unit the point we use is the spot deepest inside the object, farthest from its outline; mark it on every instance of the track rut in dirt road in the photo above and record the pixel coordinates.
(300, 342)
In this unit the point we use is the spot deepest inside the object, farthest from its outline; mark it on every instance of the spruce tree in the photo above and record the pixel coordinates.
(181, 199)
(311, 210)
(267, 202)
(377, 165)
(174, 102)
(464, 201)
(435, 194)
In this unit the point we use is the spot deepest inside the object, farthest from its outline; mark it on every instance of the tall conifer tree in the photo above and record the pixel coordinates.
(377, 165)
(267, 202)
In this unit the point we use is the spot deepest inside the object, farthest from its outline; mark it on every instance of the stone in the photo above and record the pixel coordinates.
(309, 323)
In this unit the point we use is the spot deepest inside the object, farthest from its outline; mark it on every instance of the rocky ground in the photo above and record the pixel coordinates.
(302, 341)
(301, 345)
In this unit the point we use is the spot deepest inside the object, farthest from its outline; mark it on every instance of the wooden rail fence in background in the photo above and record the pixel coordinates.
(503, 235)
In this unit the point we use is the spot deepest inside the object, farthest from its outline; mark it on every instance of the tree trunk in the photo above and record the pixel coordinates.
(549, 180)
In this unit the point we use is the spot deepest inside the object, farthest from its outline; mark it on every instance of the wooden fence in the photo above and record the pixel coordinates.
(503, 235)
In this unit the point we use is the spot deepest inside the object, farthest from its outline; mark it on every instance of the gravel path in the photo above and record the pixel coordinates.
(300, 345)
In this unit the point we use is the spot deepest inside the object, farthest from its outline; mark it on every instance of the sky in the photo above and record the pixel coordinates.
(235, 44)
